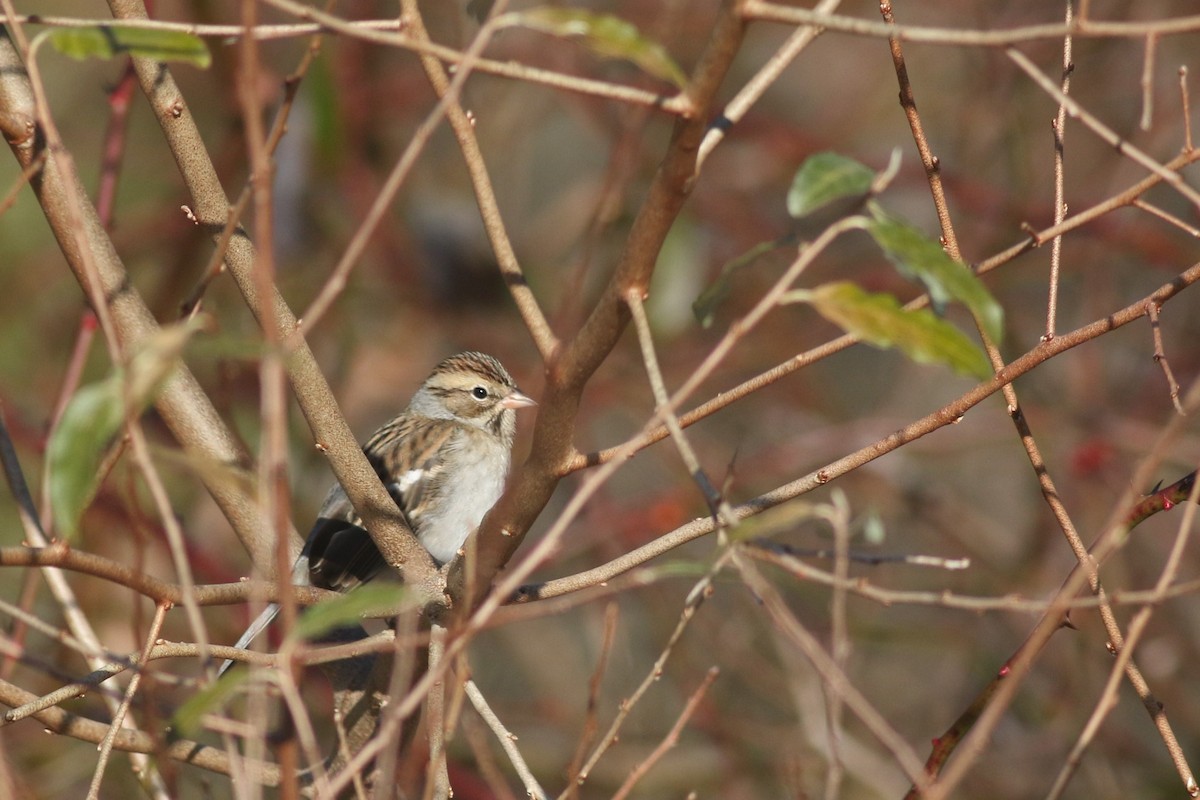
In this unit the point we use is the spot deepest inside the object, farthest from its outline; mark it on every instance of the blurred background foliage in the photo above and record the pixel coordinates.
(570, 171)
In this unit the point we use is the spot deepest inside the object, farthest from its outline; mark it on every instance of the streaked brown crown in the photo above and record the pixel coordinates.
(480, 364)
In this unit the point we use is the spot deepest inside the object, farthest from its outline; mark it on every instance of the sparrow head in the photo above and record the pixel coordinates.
(473, 388)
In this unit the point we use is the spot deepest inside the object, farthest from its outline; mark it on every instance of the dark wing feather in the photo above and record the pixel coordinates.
(341, 555)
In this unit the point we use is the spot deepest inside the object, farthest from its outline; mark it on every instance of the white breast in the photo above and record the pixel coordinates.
(471, 488)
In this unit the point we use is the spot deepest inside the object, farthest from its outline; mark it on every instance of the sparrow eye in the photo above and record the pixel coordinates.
(479, 393)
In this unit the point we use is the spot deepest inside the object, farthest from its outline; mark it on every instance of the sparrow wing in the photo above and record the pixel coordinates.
(411, 462)
(407, 455)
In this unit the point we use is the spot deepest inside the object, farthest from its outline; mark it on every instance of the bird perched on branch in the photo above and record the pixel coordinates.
(443, 460)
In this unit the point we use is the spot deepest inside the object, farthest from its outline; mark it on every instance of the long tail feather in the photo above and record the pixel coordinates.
(256, 627)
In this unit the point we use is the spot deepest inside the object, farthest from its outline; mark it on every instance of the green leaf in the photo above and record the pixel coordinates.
(880, 320)
(921, 259)
(76, 449)
(603, 34)
(188, 718)
(111, 41)
(95, 414)
(824, 178)
(372, 599)
(705, 306)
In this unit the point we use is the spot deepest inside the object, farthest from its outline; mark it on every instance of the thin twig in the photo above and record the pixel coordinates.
(1059, 128)
(55, 634)
(84, 337)
(62, 556)
(590, 722)
(1119, 143)
(968, 37)
(979, 721)
(766, 77)
(812, 356)
(837, 680)
(1160, 356)
(663, 410)
(262, 33)
(929, 161)
(106, 746)
(216, 260)
(677, 105)
(941, 598)
(946, 415)
(173, 531)
(838, 516)
(411, 637)
(672, 737)
(532, 315)
(1120, 667)
(1148, 82)
(1165, 216)
(699, 593)
(273, 485)
(1186, 105)
(507, 741)
(114, 144)
(480, 741)
(74, 726)
(300, 717)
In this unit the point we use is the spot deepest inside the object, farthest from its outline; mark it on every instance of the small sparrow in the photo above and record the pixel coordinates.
(443, 460)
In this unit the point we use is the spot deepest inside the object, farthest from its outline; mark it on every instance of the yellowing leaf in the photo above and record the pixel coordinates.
(880, 320)
(111, 41)
(605, 35)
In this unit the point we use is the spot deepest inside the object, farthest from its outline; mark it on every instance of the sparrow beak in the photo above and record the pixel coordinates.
(517, 400)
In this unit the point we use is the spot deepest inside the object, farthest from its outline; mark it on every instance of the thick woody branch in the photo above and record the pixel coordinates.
(573, 364)
(947, 415)
(190, 752)
(1081, 26)
(62, 556)
(330, 431)
(182, 403)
